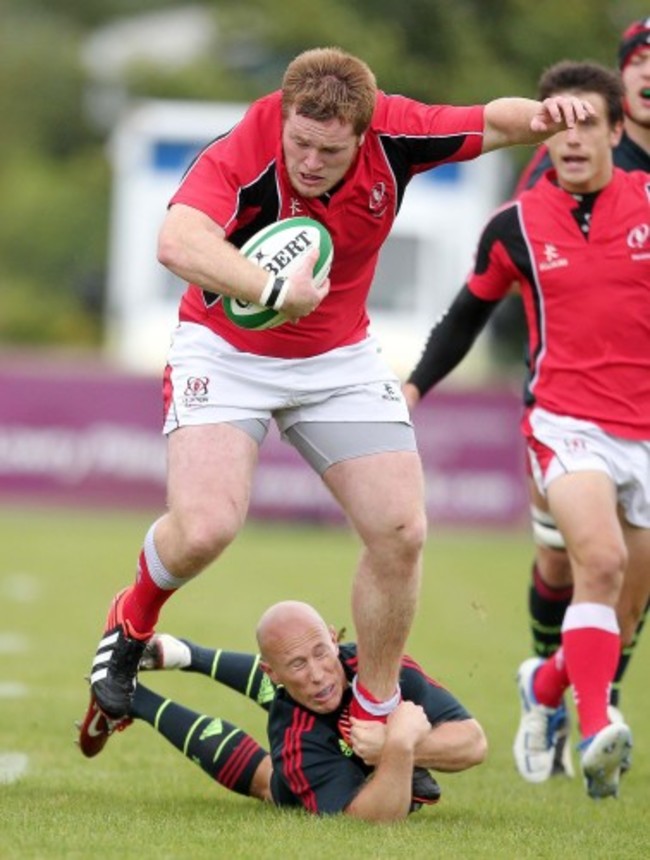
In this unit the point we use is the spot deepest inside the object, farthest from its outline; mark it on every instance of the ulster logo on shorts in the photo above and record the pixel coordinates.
(196, 391)
(575, 445)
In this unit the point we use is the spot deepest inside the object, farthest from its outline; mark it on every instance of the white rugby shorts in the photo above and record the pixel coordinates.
(559, 444)
(208, 381)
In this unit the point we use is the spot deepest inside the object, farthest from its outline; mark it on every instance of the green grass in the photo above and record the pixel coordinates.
(141, 799)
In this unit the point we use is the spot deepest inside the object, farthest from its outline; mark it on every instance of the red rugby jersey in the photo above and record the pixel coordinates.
(586, 298)
(240, 181)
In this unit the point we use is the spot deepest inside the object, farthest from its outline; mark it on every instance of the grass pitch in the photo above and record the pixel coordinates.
(141, 799)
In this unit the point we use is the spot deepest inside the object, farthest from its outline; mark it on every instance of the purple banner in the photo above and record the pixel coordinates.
(88, 436)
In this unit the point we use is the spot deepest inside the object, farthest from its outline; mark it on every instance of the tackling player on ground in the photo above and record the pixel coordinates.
(303, 679)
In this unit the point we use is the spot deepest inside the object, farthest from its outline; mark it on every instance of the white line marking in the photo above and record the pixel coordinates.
(12, 767)
(12, 690)
(12, 643)
(20, 587)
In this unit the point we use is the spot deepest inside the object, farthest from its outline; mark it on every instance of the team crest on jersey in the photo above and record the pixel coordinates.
(637, 240)
(552, 258)
(638, 236)
(378, 200)
(196, 391)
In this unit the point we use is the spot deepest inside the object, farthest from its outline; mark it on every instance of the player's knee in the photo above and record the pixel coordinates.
(204, 538)
(395, 540)
(603, 564)
(410, 535)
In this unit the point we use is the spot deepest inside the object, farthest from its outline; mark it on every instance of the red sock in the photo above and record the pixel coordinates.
(145, 599)
(551, 680)
(591, 655)
(357, 710)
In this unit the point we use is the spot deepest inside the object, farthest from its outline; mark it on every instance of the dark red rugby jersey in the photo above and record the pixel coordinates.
(240, 182)
(586, 298)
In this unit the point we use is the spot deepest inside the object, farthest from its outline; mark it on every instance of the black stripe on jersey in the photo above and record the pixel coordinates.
(258, 206)
(507, 228)
(504, 228)
(403, 153)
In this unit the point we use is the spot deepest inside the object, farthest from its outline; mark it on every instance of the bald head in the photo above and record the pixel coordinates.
(284, 622)
(300, 652)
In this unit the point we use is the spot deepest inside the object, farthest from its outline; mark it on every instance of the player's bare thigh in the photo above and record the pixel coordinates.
(372, 468)
(210, 470)
(380, 491)
(584, 507)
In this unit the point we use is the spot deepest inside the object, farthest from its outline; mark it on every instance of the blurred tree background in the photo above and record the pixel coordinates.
(58, 102)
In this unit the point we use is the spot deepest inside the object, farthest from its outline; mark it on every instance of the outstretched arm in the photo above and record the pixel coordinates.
(510, 121)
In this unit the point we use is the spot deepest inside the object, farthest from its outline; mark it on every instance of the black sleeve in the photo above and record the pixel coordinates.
(451, 338)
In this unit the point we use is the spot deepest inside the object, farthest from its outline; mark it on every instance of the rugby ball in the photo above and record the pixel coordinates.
(280, 248)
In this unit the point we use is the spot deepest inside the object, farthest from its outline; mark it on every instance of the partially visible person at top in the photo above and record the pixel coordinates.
(331, 146)
(303, 679)
(578, 245)
(551, 585)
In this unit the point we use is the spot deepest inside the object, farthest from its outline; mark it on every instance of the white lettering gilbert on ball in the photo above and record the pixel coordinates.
(279, 249)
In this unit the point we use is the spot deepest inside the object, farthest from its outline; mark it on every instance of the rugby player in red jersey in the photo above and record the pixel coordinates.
(578, 244)
(551, 584)
(331, 146)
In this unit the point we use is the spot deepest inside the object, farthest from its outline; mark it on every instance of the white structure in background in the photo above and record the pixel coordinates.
(423, 263)
(165, 39)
